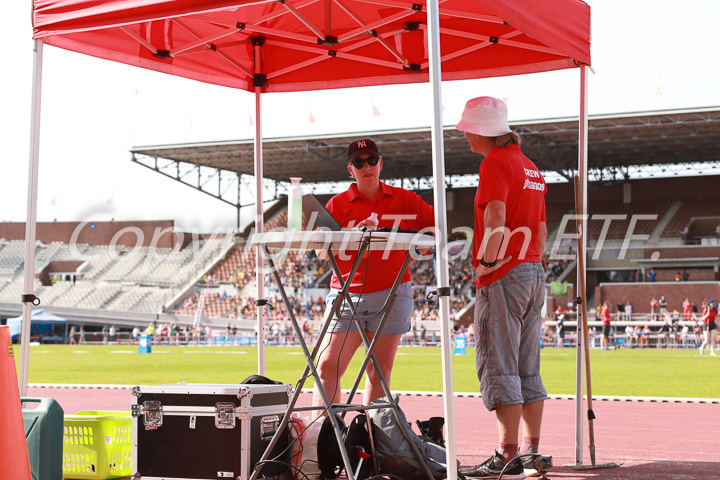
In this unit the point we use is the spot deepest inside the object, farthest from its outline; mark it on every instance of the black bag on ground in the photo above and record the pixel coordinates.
(431, 430)
(259, 380)
(392, 451)
(357, 445)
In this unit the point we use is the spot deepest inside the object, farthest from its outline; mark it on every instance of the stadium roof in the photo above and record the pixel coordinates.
(616, 144)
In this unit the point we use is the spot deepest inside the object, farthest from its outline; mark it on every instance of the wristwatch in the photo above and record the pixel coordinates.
(486, 264)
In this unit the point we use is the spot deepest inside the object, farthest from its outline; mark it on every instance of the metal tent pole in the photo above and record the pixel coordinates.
(260, 300)
(438, 156)
(29, 297)
(582, 173)
(237, 213)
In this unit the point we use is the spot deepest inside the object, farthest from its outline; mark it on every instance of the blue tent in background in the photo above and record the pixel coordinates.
(42, 322)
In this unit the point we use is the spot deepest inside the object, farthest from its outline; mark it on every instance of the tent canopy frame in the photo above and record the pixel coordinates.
(99, 29)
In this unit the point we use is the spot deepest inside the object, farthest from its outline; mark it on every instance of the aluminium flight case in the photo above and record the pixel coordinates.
(206, 431)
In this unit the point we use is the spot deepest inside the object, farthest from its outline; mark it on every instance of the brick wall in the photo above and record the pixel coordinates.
(696, 274)
(658, 188)
(702, 227)
(69, 266)
(684, 252)
(144, 233)
(640, 294)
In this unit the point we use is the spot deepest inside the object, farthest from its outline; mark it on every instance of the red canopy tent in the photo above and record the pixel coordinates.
(320, 44)
(297, 45)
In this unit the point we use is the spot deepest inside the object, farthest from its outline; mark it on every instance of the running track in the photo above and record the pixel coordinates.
(650, 439)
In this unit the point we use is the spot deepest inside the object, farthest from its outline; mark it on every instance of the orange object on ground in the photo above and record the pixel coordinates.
(14, 460)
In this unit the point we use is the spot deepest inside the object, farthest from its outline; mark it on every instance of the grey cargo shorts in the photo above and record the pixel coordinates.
(507, 336)
(398, 321)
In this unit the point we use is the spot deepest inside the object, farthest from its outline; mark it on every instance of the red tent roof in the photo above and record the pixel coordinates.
(319, 44)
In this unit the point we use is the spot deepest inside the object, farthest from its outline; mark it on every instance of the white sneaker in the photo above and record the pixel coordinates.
(701, 352)
(712, 353)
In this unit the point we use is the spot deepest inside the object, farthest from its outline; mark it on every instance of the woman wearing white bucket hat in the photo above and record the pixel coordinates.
(509, 239)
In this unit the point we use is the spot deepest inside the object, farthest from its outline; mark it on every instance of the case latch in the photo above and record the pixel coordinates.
(153, 415)
(245, 392)
(268, 427)
(224, 415)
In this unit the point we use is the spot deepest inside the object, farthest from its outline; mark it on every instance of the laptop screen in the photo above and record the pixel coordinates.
(317, 214)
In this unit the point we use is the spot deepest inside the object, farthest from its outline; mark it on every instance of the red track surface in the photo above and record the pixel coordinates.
(668, 440)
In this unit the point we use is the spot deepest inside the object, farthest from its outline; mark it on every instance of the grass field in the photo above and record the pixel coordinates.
(657, 373)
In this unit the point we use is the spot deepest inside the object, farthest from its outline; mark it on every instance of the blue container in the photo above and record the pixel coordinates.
(145, 345)
(460, 345)
(44, 435)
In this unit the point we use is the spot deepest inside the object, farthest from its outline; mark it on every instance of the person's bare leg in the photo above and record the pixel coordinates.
(531, 422)
(385, 351)
(532, 418)
(508, 420)
(706, 340)
(335, 354)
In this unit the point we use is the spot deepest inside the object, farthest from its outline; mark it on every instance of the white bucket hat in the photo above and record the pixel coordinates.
(486, 116)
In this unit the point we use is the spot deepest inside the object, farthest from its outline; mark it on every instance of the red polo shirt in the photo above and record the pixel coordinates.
(711, 317)
(510, 177)
(351, 207)
(605, 316)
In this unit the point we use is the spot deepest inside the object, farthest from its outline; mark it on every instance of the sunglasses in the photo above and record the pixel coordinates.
(360, 162)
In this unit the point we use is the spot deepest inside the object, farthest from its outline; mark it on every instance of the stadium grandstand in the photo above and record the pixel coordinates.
(654, 229)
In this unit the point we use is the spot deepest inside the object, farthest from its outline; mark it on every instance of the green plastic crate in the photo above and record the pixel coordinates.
(97, 445)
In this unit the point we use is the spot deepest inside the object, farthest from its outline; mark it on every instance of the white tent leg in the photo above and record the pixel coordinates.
(582, 172)
(259, 270)
(441, 233)
(31, 216)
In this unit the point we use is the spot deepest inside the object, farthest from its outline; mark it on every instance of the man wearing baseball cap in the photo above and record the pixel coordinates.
(369, 203)
(510, 233)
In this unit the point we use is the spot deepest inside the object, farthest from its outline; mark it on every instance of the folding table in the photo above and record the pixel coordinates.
(348, 241)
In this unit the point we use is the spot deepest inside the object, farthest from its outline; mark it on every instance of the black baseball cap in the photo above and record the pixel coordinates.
(362, 147)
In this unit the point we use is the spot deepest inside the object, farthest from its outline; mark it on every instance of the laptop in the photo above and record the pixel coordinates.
(317, 214)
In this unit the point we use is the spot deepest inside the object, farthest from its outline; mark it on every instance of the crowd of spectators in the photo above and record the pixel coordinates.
(300, 271)
(553, 268)
(661, 328)
(658, 310)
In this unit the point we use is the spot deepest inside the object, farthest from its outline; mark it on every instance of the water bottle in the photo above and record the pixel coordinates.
(295, 205)
(373, 218)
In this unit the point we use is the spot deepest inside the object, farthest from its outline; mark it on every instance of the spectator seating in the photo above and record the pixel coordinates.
(117, 278)
(691, 208)
(140, 279)
(45, 254)
(102, 259)
(12, 256)
(124, 266)
(238, 268)
(554, 212)
(74, 296)
(100, 296)
(166, 271)
(126, 299)
(619, 228)
(11, 292)
(51, 293)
